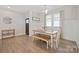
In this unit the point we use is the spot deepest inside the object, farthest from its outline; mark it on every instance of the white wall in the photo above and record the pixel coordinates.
(77, 27)
(69, 23)
(18, 22)
(69, 30)
(35, 24)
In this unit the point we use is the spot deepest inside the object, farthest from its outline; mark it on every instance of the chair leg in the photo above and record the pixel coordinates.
(56, 45)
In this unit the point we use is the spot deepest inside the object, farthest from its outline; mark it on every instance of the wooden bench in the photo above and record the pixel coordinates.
(42, 37)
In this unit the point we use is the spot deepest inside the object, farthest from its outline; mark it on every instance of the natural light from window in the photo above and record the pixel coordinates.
(48, 20)
(56, 20)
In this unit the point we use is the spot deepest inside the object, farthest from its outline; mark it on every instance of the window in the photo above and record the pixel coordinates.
(56, 20)
(48, 20)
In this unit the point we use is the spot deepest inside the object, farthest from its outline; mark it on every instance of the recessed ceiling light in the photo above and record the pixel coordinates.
(8, 6)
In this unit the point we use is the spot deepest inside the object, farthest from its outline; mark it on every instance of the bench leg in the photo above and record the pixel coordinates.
(47, 44)
(33, 39)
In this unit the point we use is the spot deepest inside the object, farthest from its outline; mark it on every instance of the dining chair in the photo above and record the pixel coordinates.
(56, 38)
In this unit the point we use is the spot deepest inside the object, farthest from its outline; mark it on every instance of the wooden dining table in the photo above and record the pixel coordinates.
(49, 33)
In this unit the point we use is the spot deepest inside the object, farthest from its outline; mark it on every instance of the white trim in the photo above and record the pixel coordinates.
(19, 34)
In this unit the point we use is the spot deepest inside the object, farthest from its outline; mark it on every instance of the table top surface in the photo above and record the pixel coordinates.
(46, 32)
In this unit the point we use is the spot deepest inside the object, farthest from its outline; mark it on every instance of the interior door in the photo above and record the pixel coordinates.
(27, 26)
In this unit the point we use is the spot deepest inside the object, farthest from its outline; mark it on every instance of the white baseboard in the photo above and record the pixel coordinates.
(20, 34)
(71, 40)
(68, 39)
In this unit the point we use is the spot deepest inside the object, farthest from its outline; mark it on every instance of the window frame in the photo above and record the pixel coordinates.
(50, 17)
(58, 25)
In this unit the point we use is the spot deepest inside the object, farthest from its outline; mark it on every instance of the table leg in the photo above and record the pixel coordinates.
(51, 41)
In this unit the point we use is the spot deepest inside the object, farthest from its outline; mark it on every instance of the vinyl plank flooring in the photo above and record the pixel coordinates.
(25, 44)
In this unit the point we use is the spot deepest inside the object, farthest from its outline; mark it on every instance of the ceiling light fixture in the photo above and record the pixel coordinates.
(46, 11)
(8, 6)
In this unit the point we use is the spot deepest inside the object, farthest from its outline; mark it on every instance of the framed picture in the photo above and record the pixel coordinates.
(35, 18)
(7, 20)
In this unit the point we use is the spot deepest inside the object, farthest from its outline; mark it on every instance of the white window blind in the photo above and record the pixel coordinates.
(56, 20)
(48, 20)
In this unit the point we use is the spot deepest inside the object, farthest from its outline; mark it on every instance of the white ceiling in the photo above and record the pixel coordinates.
(25, 8)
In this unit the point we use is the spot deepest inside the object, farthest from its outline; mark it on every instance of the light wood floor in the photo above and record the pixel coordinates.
(24, 44)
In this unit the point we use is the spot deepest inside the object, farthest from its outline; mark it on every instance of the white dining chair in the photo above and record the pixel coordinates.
(56, 38)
